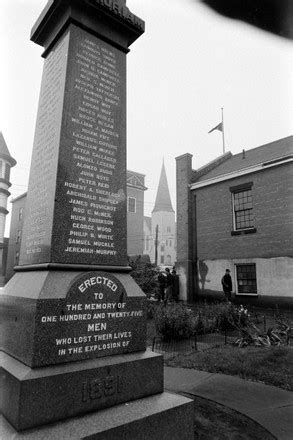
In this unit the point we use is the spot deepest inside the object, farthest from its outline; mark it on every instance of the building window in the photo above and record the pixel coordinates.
(162, 247)
(7, 172)
(16, 258)
(242, 207)
(146, 244)
(162, 259)
(131, 204)
(18, 236)
(246, 279)
(20, 214)
(169, 229)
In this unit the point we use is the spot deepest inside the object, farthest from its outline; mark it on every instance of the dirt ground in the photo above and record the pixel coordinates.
(217, 422)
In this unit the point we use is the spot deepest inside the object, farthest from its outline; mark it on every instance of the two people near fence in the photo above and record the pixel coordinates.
(168, 286)
(227, 285)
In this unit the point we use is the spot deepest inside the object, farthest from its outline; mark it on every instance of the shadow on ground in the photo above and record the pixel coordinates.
(213, 421)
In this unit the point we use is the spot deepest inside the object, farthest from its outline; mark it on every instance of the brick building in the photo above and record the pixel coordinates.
(237, 213)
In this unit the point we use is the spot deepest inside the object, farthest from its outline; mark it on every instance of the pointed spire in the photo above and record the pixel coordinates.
(163, 199)
(4, 152)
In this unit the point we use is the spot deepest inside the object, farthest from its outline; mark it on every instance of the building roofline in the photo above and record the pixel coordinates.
(183, 155)
(242, 172)
(135, 172)
(18, 197)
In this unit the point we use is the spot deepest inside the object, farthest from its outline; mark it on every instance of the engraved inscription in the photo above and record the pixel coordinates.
(118, 7)
(39, 212)
(96, 319)
(101, 388)
(93, 190)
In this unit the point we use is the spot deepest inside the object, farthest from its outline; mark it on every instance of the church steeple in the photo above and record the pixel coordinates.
(163, 199)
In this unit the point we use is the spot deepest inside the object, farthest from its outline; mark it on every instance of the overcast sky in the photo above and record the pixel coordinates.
(189, 63)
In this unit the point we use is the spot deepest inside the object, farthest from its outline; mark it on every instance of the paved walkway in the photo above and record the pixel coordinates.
(269, 406)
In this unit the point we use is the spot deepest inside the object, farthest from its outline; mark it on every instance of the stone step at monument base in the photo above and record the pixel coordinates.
(163, 416)
(36, 396)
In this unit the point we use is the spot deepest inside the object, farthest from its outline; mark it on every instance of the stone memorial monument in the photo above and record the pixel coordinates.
(73, 357)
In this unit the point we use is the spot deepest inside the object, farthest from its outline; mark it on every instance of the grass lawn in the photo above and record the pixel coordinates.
(272, 366)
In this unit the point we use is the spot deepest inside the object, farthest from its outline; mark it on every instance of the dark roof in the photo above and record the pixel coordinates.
(271, 152)
(163, 199)
(4, 152)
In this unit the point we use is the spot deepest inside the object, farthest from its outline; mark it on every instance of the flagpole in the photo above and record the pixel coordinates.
(223, 134)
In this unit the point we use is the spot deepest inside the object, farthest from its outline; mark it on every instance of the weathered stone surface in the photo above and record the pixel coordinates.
(33, 397)
(163, 416)
(76, 202)
(111, 20)
(76, 219)
(51, 317)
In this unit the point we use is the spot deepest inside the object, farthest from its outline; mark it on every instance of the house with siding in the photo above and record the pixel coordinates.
(135, 212)
(237, 213)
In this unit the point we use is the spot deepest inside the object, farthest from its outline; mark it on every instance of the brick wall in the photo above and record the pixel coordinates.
(185, 237)
(272, 194)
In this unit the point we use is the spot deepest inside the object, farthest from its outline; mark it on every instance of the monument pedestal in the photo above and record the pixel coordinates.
(36, 396)
(162, 416)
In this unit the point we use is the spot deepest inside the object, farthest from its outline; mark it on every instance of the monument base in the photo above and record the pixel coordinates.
(164, 416)
(33, 397)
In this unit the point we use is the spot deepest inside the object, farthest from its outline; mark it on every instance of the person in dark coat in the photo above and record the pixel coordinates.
(162, 286)
(175, 287)
(227, 284)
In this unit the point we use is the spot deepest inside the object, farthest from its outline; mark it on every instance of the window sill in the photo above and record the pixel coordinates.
(246, 294)
(244, 231)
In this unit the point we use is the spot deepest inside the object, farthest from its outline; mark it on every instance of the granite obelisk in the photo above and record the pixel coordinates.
(73, 321)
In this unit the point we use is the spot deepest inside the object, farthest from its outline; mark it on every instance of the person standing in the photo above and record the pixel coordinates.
(169, 285)
(162, 286)
(175, 286)
(227, 284)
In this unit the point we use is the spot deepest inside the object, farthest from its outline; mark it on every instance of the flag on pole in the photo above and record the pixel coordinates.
(217, 127)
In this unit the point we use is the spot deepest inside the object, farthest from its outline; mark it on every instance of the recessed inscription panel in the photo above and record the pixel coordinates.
(96, 319)
(90, 209)
(36, 241)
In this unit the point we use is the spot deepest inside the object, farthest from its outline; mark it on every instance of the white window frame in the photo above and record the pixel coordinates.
(245, 263)
(247, 186)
